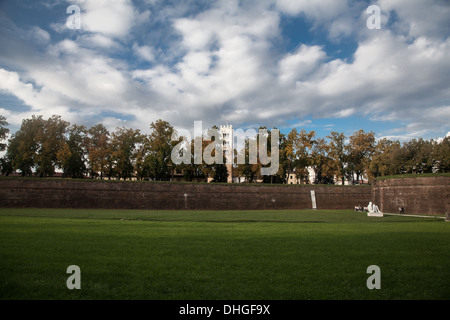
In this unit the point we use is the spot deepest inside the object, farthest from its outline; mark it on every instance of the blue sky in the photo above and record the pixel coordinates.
(286, 64)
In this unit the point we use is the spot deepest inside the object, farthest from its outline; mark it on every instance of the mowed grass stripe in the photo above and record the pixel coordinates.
(336, 216)
(190, 259)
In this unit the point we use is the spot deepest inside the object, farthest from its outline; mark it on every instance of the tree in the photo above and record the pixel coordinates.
(3, 132)
(321, 163)
(289, 152)
(142, 150)
(280, 175)
(220, 172)
(441, 155)
(337, 152)
(360, 150)
(23, 146)
(213, 164)
(190, 167)
(285, 159)
(284, 162)
(72, 154)
(124, 142)
(304, 145)
(98, 149)
(383, 158)
(50, 138)
(205, 170)
(418, 156)
(298, 152)
(6, 165)
(250, 168)
(159, 160)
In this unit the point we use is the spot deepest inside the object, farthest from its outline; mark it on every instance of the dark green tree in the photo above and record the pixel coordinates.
(5, 163)
(441, 155)
(72, 154)
(385, 159)
(99, 150)
(3, 132)
(250, 168)
(158, 160)
(124, 142)
(220, 172)
(24, 146)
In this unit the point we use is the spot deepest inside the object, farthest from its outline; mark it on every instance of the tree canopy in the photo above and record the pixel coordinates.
(42, 146)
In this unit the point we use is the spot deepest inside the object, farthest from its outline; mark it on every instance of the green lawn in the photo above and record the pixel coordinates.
(223, 255)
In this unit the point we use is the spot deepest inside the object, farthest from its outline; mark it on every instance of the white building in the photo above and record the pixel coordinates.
(227, 137)
(293, 178)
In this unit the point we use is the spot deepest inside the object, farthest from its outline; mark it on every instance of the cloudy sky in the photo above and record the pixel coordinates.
(311, 64)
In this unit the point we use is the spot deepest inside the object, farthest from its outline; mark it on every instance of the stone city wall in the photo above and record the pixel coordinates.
(427, 195)
(175, 196)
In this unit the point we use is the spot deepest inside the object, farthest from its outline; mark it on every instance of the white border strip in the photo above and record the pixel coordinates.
(413, 215)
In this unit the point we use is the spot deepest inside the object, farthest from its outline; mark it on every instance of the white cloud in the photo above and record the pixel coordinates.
(301, 124)
(42, 101)
(420, 17)
(223, 60)
(335, 16)
(317, 9)
(40, 35)
(11, 83)
(112, 18)
(223, 63)
(386, 73)
(98, 40)
(195, 35)
(144, 52)
(300, 64)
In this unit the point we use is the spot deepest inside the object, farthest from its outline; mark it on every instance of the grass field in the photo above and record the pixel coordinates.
(204, 255)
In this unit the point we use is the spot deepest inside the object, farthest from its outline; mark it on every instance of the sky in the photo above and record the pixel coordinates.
(304, 64)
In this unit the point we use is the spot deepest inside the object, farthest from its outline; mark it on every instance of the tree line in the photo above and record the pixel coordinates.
(42, 146)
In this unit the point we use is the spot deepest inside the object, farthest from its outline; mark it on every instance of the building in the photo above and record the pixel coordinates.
(227, 137)
(293, 178)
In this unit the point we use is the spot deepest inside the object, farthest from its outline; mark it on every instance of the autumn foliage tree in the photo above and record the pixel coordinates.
(50, 139)
(41, 146)
(383, 160)
(123, 146)
(71, 156)
(98, 148)
(360, 149)
(338, 155)
(322, 164)
(249, 167)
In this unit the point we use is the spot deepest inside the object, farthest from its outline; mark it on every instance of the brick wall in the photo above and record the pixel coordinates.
(428, 196)
(148, 195)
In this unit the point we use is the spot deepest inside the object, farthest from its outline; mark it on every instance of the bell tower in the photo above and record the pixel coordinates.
(226, 133)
